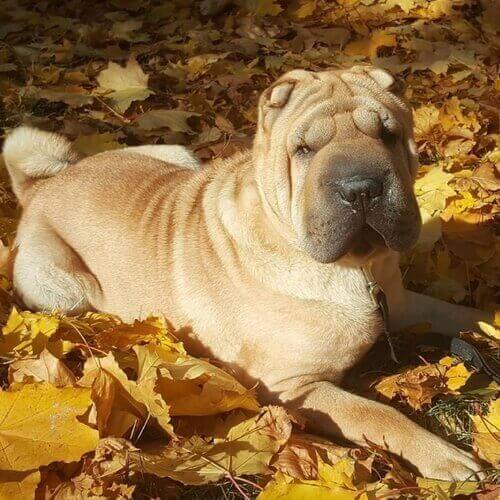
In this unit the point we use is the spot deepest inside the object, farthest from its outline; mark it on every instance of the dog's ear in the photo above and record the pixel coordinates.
(382, 77)
(278, 94)
(273, 100)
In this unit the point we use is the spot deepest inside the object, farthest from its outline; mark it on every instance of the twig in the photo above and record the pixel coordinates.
(110, 109)
(237, 486)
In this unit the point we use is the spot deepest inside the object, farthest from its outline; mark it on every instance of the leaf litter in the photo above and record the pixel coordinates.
(95, 408)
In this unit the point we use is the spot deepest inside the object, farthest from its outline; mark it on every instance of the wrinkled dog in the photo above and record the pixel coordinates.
(263, 256)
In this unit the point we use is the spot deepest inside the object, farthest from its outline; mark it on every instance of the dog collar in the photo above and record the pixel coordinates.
(379, 299)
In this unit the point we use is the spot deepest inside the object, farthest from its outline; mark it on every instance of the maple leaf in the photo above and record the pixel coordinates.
(369, 47)
(432, 190)
(487, 433)
(124, 85)
(30, 333)
(92, 144)
(437, 490)
(175, 119)
(419, 385)
(45, 368)
(191, 386)
(33, 432)
(120, 403)
(247, 448)
(334, 481)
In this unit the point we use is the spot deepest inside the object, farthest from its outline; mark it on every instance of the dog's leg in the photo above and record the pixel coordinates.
(408, 308)
(333, 411)
(48, 275)
(412, 308)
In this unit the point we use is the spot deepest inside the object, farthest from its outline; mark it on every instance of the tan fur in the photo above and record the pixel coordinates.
(219, 251)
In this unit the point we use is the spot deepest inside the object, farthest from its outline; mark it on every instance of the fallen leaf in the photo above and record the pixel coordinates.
(439, 490)
(18, 484)
(45, 368)
(246, 449)
(174, 119)
(124, 85)
(191, 386)
(487, 434)
(39, 425)
(92, 144)
(369, 46)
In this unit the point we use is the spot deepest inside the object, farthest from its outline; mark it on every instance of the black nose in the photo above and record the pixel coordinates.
(359, 191)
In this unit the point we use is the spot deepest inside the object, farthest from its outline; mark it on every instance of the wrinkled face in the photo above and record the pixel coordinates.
(336, 162)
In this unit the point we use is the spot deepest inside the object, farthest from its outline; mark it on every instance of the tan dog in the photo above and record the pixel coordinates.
(260, 255)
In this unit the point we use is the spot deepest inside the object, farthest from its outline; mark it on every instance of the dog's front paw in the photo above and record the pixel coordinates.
(451, 464)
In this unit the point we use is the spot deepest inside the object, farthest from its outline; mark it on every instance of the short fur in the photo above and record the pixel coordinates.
(228, 253)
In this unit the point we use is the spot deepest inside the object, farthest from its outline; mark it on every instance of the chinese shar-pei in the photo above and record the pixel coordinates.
(262, 257)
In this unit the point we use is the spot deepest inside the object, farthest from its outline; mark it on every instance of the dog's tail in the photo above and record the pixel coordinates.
(31, 154)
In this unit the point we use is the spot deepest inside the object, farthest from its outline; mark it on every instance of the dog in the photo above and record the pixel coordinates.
(262, 257)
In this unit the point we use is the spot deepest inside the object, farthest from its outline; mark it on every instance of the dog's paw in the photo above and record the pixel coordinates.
(451, 464)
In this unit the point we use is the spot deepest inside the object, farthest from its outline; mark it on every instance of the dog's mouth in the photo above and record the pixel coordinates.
(366, 242)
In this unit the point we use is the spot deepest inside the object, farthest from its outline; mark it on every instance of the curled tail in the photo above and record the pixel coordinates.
(31, 154)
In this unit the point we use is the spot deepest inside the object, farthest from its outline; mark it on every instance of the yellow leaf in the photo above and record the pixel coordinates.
(432, 190)
(45, 368)
(124, 336)
(124, 85)
(18, 485)
(334, 482)
(92, 144)
(456, 374)
(283, 486)
(120, 403)
(247, 448)
(191, 386)
(490, 330)
(487, 434)
(39, 425)
(28, 333)
(437, 490)
(369, 46)
(425, 117)
(306, 9)
(404, 5)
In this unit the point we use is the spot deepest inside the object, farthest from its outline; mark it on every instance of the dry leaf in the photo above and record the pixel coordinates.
(39, 425)
(18, 485)
(45, 368)
(246, 449)
(127, 84)
(487, 434)
(121, 404)
(191, 386)
(174, 119)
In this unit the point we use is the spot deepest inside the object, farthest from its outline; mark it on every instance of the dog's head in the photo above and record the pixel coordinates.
(336, 162)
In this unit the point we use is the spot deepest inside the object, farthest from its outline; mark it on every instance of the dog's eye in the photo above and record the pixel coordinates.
(303, 150)
(389, 137)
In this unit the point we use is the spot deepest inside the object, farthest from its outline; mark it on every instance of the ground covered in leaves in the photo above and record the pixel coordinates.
(93, 408)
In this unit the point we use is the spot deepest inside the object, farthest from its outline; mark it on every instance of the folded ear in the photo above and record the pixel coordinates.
(273, 99)
(278, 94)
(380, 76)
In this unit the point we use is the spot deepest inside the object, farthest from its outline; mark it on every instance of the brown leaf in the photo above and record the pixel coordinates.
(45, 368)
